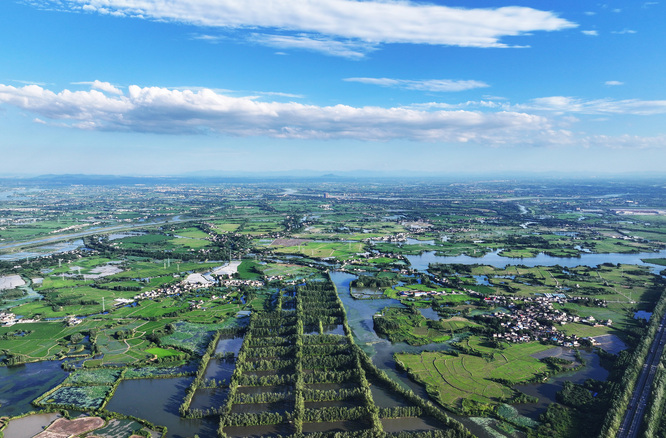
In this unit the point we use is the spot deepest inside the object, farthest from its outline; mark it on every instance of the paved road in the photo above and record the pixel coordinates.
(631, 424)
(91, 231)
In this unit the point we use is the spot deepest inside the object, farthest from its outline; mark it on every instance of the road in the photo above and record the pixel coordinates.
(91, 231)
(631, 424)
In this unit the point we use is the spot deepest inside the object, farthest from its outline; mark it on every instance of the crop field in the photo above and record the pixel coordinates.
(143, 241)
(609, 245)
(129, 349)
(454, 378)
(215, 313)
(258, 228)
(152, 372)
(144, 269)
(191, 243)
(249, 270)
(152, 308)
(82, 397)
(225, 227)
(191, 232)
(457, 324)
(162, 352)
(117, 428)
(104, 376)
(338, 250)
(288, 271)
(192, 337)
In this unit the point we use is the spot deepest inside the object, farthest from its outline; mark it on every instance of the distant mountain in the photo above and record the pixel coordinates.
(303, 176)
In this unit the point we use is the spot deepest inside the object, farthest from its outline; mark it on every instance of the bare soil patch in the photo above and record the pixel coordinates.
(63, 428)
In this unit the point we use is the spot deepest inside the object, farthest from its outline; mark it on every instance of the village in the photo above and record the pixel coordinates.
(532, 319)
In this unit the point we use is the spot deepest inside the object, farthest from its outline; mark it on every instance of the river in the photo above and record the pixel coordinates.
(421, 262)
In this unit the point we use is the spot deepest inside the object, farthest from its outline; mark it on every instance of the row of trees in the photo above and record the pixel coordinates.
(622, 395)
(199, 381)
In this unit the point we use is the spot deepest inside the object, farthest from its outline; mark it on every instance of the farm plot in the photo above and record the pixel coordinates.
(323, 250)
(80, 397)
(117, 428)
(102, 376)
(453, 378)
(153, 372)
(66, 428)
(191, 337)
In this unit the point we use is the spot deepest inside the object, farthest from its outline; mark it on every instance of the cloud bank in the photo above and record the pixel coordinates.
(568, 104)
(169, 111)
(202, 111)
(349, 22)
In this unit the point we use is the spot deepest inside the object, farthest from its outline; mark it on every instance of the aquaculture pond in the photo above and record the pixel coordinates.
(29, 426)
(20, 385)
(158, 400)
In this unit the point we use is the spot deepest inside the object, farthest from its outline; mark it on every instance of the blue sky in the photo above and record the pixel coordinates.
(174, 86)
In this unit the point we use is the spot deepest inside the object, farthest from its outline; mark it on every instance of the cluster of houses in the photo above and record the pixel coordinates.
(166, 290)
(399, 237)
(236, 283)
(295, 281)
(534, 319)
(7, 319)
(194, 282)
(424, 294)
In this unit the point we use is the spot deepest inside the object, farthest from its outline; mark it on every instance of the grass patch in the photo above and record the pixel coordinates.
(162, 352)
(452, 379)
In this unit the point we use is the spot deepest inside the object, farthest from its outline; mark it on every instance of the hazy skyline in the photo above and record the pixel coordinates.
(167, 87)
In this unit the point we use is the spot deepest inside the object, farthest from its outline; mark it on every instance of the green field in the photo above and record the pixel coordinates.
(162, 352)
(408, 325)
(450, 379)
(323, 250)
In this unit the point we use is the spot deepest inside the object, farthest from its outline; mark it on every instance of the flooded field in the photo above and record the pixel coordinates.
(29, 426)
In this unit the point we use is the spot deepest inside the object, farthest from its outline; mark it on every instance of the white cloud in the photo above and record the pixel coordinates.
(371, 21)
(161, 110)
(624, 32)
(327, 46)
(170, 111)
(29, 82)
(209, 38)
(487, 104)
(590, 32)
(624, 142)
(102, 86)
(613, 83)
(280, 94)
(423, 85)
(564, 104)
